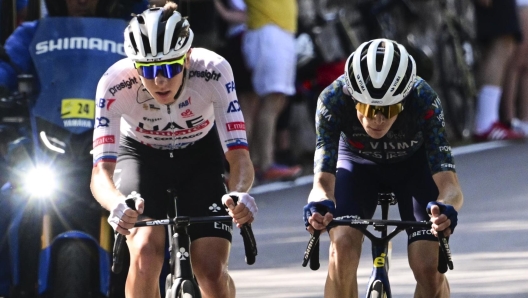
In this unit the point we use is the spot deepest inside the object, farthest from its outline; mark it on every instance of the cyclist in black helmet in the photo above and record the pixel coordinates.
(379, 125)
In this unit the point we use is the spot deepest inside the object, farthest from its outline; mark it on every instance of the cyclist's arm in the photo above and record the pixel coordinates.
(241, 174)
(449, 189)
(328, 130)
(323, 187)
(102, 185)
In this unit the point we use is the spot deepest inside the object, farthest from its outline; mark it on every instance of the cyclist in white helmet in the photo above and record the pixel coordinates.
(167, 116)
(380, 126)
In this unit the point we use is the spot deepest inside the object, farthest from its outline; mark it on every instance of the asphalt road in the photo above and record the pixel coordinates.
(489, 247)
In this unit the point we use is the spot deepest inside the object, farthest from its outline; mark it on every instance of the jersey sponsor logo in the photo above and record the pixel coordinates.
(185, 103)
(357, 145)
(223, 226)
(104, 102)
(234, 106)
(188, 113)
(124, 84)
(150, 107)
(393, 145)
(205, 74)
(104, 140)
(233, 144)
(444, 148)
(143, 95)
(230, 87)
(381, 155)
(102, 122)
(428, 114)
(420, 233)
(77, 123)
(395, 154)
(239, 125)
(395, 134)
(192, 126)
(448, 165)
(80, 43)
(151, 119)
(441, 119)
(176, 146)
(325, 113)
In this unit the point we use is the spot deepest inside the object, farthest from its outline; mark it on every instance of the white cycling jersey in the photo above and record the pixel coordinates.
(124, 107)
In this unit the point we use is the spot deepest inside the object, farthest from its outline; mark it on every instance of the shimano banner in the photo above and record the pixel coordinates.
(70, 56)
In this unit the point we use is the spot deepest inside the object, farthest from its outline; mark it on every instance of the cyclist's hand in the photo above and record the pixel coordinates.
(317, 215)
(122, 216)
(244, 211)
(443, 216)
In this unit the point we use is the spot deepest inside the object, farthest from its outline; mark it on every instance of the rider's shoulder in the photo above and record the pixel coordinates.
(335, 92)
(119, 75)
(422, 90)
(204, 61)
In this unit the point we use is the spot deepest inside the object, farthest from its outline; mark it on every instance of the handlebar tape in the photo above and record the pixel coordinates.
(311, 254)
(444, 258)
(117, 252)
(250, 244)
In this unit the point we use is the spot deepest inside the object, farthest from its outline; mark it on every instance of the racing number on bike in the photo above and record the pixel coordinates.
(78, 108)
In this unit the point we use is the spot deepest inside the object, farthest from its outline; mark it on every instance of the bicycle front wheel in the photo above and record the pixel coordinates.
(187, 290)
(377, 290)
(458, 90)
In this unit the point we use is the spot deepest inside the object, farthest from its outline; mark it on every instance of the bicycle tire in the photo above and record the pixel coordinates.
(187, 290)
(74, 270)
(377, 290)
(457, 81)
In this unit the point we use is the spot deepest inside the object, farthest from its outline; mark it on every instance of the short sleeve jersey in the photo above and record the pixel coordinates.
(420, 123)
(125, 108)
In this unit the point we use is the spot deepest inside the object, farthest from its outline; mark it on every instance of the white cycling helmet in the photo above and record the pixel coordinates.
(380, 72)
(150, 38)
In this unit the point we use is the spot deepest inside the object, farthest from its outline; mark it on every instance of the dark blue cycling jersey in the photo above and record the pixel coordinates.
(421, 123)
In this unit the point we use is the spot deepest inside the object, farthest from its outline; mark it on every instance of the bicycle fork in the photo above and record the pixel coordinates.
(378, 285)
(180, 260)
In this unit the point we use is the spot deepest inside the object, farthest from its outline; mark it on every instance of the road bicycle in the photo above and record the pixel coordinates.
(456, 62)
(378, 285)
(180, 282)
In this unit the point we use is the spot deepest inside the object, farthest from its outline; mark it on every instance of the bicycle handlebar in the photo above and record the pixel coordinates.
(311, 253)
(250, 244)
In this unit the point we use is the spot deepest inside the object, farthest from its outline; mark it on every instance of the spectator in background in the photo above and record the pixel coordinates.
(21, 11)
(17, 45)
(514, 105)
(233, 12)
(498, 28)
(268, 47)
